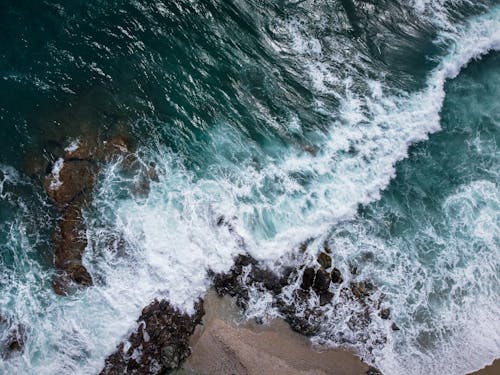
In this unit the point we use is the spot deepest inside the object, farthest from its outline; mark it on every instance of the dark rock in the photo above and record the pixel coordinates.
(302, 326)
(170, 356)
(324, 260)
(70, 243)
(74, 178)
(361, 289)
(13, 338)
(308, 278)
(306, 322)
(325, 298)
(159, 344)
(230, 283)
(268, 278)
(321, 281)
(373, 371)
(336, 276)
(322, 285)
(353, 269)
(220, 220)
(395, 327)
(300, 310)
(385, 313)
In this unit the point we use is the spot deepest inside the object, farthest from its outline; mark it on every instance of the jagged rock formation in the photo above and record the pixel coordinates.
(159, 343)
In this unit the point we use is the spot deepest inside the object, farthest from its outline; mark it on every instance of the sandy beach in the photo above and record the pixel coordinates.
(225, 344)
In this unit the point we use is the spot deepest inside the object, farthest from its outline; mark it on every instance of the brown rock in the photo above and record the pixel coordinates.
(324, 260)
(321, 281)
(336, 276)
(159, 344)
(75, 177)
(117, 145)
(69, 183)
(81, 150)
(361, 289)
(70, 243)
(385, 313)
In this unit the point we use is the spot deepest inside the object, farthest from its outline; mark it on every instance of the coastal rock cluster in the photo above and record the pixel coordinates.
(301, 292)
(310, 294)
(159, 343)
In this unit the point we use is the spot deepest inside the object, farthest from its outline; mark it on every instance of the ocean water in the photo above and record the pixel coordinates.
(372, 125)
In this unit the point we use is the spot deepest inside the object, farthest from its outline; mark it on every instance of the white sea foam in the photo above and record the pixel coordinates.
(449, 313)
(56, 183)
(73, 146)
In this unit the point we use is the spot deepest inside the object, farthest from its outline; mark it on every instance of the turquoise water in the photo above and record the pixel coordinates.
(372, 125)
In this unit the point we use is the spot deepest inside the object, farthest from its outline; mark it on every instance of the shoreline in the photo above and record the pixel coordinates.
(245, 347)
(491, 369)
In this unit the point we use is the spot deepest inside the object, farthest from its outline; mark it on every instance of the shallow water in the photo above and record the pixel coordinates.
(297, 120)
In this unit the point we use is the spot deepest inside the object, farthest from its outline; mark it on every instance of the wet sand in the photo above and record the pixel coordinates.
(493, 369)
(225, 344)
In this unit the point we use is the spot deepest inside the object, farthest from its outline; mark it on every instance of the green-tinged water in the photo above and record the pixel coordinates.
(372, 125)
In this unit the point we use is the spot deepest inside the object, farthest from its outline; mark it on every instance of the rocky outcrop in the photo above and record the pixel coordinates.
(309, 287)
(69, 245)
(69, 182)
(158, 345)
(69, 179)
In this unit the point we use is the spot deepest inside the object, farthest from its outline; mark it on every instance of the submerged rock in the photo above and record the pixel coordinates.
(69, 179)
(12, 338)
(158, 345)
(362, 289)
(76, 180)
(385, 313)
